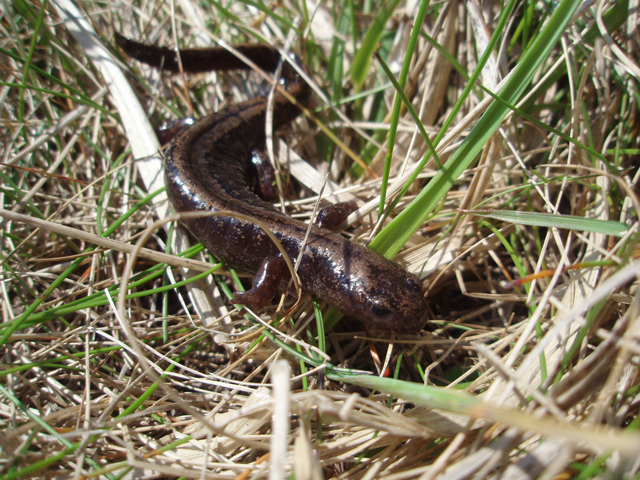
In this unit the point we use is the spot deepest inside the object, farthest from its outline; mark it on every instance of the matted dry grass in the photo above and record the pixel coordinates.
(179, 384)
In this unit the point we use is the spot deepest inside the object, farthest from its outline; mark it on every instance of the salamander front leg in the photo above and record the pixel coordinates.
(265, 283)
(332, 216)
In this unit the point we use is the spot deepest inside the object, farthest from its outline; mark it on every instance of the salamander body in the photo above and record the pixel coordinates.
(210, 165)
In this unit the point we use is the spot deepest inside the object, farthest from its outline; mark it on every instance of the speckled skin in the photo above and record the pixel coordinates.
(208, 167)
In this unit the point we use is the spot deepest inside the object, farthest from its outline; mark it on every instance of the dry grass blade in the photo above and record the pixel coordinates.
(537, 380)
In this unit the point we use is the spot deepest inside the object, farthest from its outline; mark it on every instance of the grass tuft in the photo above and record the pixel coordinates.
(492, 149)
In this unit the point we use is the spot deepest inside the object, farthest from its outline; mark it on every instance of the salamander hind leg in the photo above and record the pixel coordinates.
(265, 284)
(263, 176)
(167, 131)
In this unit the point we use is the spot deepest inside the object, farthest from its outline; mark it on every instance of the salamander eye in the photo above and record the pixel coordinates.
(381, 306)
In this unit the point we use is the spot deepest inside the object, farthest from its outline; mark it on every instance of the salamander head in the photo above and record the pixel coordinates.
(370, 288)
(395, 303)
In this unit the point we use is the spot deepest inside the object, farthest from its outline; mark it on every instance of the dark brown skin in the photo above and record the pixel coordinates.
(209, 167)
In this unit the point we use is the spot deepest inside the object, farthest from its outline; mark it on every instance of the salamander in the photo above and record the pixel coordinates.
(211, 165)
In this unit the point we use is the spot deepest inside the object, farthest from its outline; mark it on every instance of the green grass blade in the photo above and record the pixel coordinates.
(27, 63)
(502, 22)
(551, 220)
(362, 60)
(400, 98)
(393, 237)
